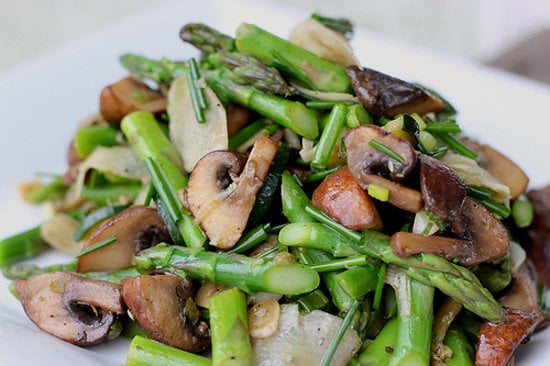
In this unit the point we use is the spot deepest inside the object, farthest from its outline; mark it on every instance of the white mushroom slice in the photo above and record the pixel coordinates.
(220, 198)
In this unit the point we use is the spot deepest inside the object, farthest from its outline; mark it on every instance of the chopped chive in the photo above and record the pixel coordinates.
(320, 104)
(496, 208)
(341, 25)
(163, 190)
(149, 195)
(379, 287)
(325, 219)
(329, 136)
(446, 127)
(479, 193)
(198, 97)
(327, 358)
(457, 146)
(246, 133)
(95, 217)
(314, 177)
(111, 239)
(379, 192)
(250, 239)
(386, 150)
(340, 263)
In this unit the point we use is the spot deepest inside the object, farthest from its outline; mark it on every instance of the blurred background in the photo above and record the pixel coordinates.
(511, 34)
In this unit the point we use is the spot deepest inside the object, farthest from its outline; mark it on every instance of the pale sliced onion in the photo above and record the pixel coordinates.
(58, 231)
(192, 139)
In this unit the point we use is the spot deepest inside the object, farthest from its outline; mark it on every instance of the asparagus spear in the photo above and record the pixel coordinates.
(248, 274)
(21, 246)
(229, 329)
(414, 319)
(206, 39)
(292, 60)
(146, 352)
(164, 164)
(453, 280)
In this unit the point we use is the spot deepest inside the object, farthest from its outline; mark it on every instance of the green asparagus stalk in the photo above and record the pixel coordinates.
(89, 137)
(229, 329)
(164, 164)
(414, 319)
(23, 245)
(292, 60)
(380, 350)
(146, 352)
(206, 39)
(294, 200)
(288, 113)
(162, 71)
(462, 350)
(248, 274)
(360, 280)
(329, 136)
(453, 280)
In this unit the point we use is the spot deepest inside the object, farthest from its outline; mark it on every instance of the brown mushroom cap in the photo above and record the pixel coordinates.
(340, 197)
(365, 159)
(442, 191)
(539, 233)
(128, 95)
(73, 308)
(162, 305)
(136, 228)
(384, 95)
(484, 238)
(219, 199)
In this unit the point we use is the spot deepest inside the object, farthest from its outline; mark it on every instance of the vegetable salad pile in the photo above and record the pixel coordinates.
(275, 202)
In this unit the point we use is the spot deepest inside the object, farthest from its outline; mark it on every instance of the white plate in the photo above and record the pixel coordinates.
(44, 99)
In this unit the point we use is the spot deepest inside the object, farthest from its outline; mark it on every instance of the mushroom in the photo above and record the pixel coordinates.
(522, 293)
(340, 197)
(502, 168)
(484, 238)
(364, 158)
(136, 228)
(386, 96)
(539, 233)
(163, 307)
(237, 117)
(129, 95)
(442, 191)
(498, 341)
(76, 309)
(220, 198)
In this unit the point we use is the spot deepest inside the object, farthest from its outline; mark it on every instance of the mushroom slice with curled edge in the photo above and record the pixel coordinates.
(442, 191)
(163, 306)
(128, 95)
(134, 229)
(497, 342)
(386, 96)
(484, 238)
(368, 149)
(340, 197)
(76, 309)
(539, 233)
(220, 198)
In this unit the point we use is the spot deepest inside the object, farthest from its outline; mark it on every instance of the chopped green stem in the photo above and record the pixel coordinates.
(162, 71)
(162, 186)
(382, 347)
(248, 274)
(320, 175)
(522, 212)
(198, 98)
(359, 281)
(171, 225)
(110, 240)
(315, 300)
(340, 263)
(107, 194)
(23, 245)
(229, 329)
(88, 138)
(442, 127)
(379, 286)
(500, 210)
(329, 354)
(46, 191)
(463, 351)
(146, 352)
(329, 136)
(15, 271)
(479, 193)
(250, 239)
(456, 145)
(386, 150)
(246, 133)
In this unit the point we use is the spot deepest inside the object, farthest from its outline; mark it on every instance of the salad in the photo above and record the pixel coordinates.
(221, 203)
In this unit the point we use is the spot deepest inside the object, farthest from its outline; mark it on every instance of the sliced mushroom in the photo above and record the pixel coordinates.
(136, 228)
(484, 238)
(442, 191)
(340, 197)
(363, 158)
(502, 168)
(76, 309)
(163, 306)
(237, 117)
(539, 233)
(220, 198)
(129, 95)
(384, 95)
(498, 341)
(400, 196)
(523, 293)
